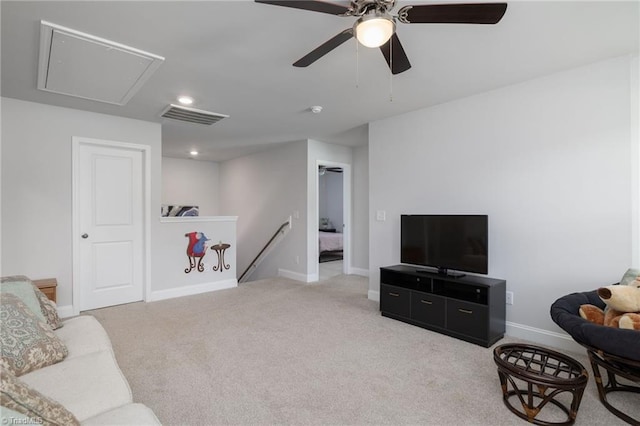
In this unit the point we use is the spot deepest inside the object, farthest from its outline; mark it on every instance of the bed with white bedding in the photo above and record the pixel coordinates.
(330, 241)
(330, 246)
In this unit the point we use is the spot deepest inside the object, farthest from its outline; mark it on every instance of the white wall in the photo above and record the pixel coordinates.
(191, 183)
(263, 190)
(175, 276)
(36, 183)
(549, 162)
(634, 72)
(360, 212)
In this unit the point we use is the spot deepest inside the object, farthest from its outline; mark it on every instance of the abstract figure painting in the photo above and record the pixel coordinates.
(169, 210)
(196, 250)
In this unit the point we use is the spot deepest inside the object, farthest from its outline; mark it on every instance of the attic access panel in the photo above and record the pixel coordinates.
(85, 66)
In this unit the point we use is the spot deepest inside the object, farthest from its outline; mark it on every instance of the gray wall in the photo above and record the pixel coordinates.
(263, 190)
(360, 212)
(550, 161)
(191, 182)
(36, 184)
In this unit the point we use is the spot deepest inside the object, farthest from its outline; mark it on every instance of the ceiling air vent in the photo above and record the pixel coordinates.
(191, 115)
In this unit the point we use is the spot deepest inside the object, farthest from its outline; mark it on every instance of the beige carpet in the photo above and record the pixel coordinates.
(280, 352)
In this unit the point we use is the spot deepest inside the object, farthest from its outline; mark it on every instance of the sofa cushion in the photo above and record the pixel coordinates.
(130, 414)
(86, 385)
(22, 287)
(27, 342)
(18, 396)
(83, 335)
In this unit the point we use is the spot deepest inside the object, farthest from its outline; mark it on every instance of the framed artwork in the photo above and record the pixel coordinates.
(170, 210)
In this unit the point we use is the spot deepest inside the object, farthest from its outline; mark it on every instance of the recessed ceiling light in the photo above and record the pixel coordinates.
(185, 100)
(316, 109)
(194, 152)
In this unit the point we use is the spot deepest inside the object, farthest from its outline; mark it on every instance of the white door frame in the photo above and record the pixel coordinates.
(76, 142)
(346, 214)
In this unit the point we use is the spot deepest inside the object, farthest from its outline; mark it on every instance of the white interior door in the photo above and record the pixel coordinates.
(110, 225)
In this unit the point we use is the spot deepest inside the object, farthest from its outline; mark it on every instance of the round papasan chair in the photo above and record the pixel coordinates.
(617, 351)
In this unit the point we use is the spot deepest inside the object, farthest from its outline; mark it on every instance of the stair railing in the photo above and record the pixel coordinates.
(256, 261)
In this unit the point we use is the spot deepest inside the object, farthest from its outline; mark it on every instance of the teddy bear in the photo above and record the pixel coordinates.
(623, 306)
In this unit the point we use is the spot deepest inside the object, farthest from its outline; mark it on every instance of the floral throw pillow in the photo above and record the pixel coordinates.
(27, 342)
(48, 309)
(21, 286)
(19, 397)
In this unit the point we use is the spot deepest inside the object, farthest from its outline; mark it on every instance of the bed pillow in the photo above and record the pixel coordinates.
(22, 287)
(18, 397)
(27, 342)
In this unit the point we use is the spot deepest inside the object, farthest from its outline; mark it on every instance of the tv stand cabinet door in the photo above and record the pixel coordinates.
(467, 318)
(428, 308)
(395, 300)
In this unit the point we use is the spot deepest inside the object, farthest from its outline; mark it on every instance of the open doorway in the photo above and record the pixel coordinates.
(332, 221)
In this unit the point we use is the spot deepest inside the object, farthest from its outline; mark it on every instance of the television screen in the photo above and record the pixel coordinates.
(458, 242)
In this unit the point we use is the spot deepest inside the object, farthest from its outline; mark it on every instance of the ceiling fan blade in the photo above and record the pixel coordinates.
(315, 6)
(399, 62)
(325, 48)
(478, 13)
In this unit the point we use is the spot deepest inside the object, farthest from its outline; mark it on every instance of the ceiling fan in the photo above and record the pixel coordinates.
(376, 26)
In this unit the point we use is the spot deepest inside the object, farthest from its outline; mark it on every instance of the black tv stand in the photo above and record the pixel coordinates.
(470, 307)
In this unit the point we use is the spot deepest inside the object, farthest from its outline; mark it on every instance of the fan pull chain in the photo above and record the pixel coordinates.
(357, 65)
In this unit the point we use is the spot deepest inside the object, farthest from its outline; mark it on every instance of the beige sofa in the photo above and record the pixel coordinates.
(57, 372)
(88, 382)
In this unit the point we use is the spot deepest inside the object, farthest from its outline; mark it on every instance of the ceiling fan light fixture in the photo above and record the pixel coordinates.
(374, 29)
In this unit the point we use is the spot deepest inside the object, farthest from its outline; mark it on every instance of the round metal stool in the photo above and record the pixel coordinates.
(547, 374)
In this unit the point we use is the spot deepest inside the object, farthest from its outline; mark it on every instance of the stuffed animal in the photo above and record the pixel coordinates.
(623, 306)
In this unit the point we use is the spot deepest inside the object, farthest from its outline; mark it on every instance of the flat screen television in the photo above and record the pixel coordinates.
(456, 242)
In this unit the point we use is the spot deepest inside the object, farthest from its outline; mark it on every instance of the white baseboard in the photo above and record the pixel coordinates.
(373, 295)
(310, 278)
(65, 311)
(191, 290)
(359, 271)
(544, 337)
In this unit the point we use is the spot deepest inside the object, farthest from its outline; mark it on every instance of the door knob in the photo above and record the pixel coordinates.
(85, 235)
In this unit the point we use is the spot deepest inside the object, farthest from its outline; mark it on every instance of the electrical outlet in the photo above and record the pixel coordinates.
(297, 260)
(381, 215)
(509, 298)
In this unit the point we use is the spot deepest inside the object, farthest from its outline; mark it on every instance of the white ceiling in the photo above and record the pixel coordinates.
(234, 57)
